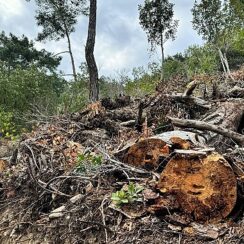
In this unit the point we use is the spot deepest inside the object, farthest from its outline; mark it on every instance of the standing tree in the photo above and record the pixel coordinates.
(90, 59)
(156, 18)
(58, 18)
(217, 22)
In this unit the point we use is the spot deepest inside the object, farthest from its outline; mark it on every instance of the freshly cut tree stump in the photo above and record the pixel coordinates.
(147, 153)
(204, 187)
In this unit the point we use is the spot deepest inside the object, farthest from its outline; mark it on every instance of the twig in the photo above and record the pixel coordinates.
(103, 217)
(122, 212)
(133, 169)
(95, 223)
(33, 156)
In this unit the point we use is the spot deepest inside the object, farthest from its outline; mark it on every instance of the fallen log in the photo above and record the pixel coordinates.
(146, 153)
(198, 182)
(228, 114)
(149, 152)
(203, 186)
(187, 123)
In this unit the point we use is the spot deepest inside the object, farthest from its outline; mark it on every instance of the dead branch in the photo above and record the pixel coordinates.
(191, 100)
(236, 92)
(185, 123)
(191, 87)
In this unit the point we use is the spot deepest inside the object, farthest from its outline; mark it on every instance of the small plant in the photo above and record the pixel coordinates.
(128, 195)
(7, 127)
(88, 162)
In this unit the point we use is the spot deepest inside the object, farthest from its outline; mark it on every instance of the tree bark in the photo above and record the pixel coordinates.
(70, 53)
(222, 61)
(228, 67)
(225, 64)
(162, 61)
(90, 59)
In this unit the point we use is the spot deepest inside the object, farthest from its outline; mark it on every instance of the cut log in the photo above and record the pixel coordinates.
(146, 153)
(204, 187)
(3, 165)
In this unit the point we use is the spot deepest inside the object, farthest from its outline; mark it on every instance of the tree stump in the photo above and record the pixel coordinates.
(204, 186)
(147, 153)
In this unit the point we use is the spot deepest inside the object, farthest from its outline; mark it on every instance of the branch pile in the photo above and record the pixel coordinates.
(124, 172)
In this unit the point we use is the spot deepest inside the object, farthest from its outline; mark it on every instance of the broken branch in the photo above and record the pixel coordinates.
(187, 123)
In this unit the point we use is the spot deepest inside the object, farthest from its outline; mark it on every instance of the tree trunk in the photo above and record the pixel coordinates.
(162, 61)
(70, 53)
(225, 64)
(222, 61)
(227, 67)
(90, 59)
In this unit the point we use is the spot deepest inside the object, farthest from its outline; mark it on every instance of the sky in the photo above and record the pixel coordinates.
(121, 44)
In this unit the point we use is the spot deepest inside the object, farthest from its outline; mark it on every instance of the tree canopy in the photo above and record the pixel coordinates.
(215, 20)
(217, 23)
(57, 19)
(20, 51)
(238, 6)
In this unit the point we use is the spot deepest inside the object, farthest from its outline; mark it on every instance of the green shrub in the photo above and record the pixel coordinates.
(7, 127)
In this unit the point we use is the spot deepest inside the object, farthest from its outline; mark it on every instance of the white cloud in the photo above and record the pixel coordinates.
(11, 8)
(120, 42)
